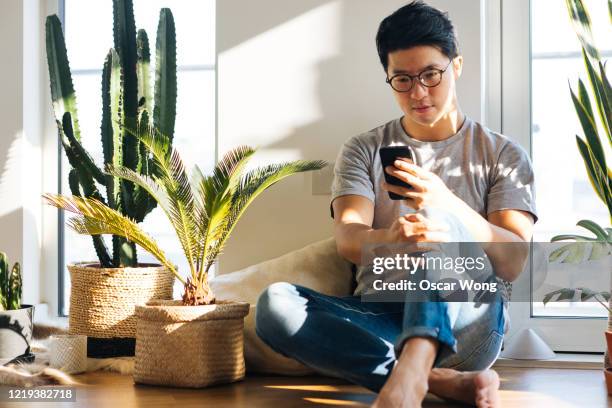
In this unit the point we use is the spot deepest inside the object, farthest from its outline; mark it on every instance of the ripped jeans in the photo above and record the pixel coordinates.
(359, 341)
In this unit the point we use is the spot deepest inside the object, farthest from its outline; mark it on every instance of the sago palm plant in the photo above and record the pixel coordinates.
(203, 210)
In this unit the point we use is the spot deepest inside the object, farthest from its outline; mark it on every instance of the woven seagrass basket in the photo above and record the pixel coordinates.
(103, 302)
(190, 346)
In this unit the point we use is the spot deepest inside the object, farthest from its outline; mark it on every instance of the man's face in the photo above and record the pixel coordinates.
(421, 104)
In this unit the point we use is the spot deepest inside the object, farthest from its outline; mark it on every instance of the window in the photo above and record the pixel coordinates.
(540, 56)
(88, 33)
(564, 194)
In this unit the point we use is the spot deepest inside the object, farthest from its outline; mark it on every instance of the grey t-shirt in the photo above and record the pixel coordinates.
(485, 169)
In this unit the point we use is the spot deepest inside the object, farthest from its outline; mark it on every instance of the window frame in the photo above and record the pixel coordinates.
(506, 107)
(54, 249)
(50, 289)
(569, 334)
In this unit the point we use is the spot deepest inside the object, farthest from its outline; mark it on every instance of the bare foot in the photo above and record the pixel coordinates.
(479, 388)
(407, 385)
(402, 390)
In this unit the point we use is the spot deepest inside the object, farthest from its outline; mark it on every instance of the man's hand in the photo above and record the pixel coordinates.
(428, 189)
(499, 226)
(353, 215)
(416, 228)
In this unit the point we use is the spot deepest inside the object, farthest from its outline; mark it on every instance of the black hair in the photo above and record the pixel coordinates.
(413, 25)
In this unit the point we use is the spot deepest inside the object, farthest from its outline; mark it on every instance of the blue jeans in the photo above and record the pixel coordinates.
(359, 341)
(345, 338)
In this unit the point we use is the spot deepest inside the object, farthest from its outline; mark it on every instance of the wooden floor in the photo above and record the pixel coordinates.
(524, 388)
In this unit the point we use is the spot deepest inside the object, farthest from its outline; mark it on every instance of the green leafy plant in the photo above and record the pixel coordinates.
(127, 103)
(586, 294)
(591, 148)
(583, 249)
(203, 210)
(10, 284)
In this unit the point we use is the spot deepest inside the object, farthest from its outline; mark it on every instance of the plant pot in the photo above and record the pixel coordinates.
(608, 374)
(16, 335)
(103, 302)
(190, 346)
(608, 353)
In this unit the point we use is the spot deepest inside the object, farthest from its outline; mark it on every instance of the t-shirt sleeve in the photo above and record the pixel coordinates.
(512, 186)
(352, 172)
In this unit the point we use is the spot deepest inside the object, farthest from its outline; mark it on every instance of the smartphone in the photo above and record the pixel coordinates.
(387, 156)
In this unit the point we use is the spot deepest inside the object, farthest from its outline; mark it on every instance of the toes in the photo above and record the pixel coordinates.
(487, 388)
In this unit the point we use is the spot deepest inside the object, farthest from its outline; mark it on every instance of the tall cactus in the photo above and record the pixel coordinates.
(127, 104)
(10, 284)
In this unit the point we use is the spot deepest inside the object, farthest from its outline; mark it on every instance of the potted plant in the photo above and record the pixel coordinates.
(196, 341)
(104, 293)
(15, 318)
(594, 156)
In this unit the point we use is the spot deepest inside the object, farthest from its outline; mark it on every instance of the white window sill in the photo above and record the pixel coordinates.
(42, 316)
(562, 360)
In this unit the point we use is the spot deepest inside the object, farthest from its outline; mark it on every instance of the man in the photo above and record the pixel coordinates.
(467, 181)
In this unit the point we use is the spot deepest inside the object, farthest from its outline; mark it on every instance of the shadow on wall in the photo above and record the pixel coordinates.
(347, 96)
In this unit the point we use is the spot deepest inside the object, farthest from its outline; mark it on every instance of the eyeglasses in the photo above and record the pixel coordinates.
(429, 78)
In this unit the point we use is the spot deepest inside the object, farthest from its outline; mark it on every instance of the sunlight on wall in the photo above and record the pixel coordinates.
(10, 176)
(301, 78)
(266, 156)
(282, 99)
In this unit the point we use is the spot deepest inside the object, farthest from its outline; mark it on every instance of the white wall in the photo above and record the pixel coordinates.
(24, 120)
(309, 80)
(298, 79)
(11, 130)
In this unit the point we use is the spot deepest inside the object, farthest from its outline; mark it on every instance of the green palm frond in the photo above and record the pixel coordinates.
(94, 218)
(217, 189)
(182, 209)
(250, 186)
(203, 210)
(174, 204)
(226, 175)
(171, 177)
(215, 193)
(159, 145)
(145, 182)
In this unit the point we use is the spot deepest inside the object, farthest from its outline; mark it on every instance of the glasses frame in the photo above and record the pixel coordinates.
(418, 77)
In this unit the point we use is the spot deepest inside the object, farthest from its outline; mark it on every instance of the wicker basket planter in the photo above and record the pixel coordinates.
(189, 346)
(103, 302)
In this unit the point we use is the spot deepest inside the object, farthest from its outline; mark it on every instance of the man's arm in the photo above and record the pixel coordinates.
(514, 227)
(353, 216)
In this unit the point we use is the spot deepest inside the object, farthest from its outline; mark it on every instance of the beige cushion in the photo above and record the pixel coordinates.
(317, 266)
